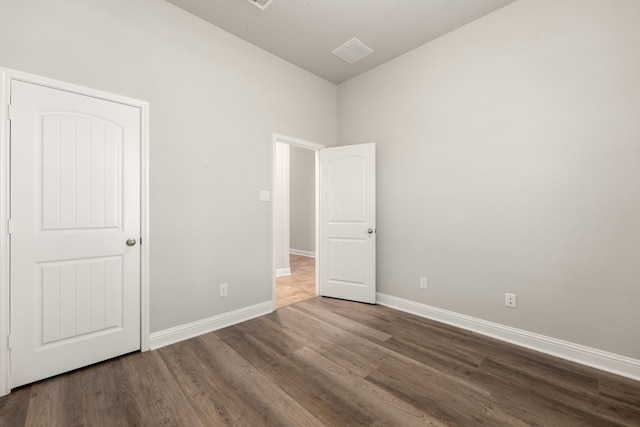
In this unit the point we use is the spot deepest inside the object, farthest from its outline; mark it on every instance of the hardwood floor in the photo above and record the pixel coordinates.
(300, 285)
(334, 363)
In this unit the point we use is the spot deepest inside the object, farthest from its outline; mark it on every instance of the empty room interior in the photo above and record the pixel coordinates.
(326, 212)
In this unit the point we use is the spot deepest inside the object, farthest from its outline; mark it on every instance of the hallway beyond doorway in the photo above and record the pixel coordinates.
(300, 285)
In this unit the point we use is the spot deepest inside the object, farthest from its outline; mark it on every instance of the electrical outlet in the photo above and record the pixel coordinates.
(510, 300)
(424, 283)
(224, 290)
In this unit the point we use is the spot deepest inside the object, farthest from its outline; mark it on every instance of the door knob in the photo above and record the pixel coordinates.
(131, 242)
(370, 231)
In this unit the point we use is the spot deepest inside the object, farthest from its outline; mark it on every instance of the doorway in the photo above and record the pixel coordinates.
(295, 225)
(345, 218)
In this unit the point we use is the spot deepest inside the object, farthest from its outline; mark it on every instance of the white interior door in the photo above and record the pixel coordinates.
(347, 267)
(75, 201)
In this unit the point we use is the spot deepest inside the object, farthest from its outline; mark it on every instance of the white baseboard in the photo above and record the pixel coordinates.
(302, 253)
(283, 272)
(610, 362)
(193, 329)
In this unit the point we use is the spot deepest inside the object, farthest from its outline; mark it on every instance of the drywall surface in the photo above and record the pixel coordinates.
(302, 188)
(509, 161)
(215, 101)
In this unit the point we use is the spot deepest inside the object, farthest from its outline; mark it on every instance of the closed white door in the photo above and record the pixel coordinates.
(75, 201)
(347, 263)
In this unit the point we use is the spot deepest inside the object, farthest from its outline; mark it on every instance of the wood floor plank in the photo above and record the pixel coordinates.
(497, 417)
(14, 407)
(309, 387)
(392, 362)
(100, 395)
(207, 398)
(269, 331)
(443, 344)
(615, 411)
(360, 348)
(341, 346)
(373, 315)
(445, 398)
(47, 406)
(156, 396)
(472, 348)
(545, 393)
(274, 406)
(424, 355)
(97, 396)
(250, 397)
(356, 328)
(618, 388)
(546, 369)
(384, 407)
(554, 385)
(543, 411)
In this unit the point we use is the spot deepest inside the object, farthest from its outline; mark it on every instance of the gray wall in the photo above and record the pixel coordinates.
(509, 161)
(302, 199)
(214, 101)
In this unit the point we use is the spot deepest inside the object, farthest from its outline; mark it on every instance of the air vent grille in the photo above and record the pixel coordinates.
(260, 4)
(352, 51)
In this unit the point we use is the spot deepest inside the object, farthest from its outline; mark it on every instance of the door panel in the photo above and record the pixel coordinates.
(75, 200)
(347, 182)
(80, 297)
(347, 223)
(81, 162)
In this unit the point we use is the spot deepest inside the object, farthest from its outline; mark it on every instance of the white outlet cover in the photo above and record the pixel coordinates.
(265, 196)
(424, 283)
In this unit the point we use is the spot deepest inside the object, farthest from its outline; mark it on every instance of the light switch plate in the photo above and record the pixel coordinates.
(265, 196)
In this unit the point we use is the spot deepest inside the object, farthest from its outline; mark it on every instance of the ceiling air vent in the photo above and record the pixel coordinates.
(260, 4)
(352, 51)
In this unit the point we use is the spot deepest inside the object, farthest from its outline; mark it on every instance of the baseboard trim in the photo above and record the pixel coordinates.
(280, 272)
(302, 253)
(193, 329)
(610, 362)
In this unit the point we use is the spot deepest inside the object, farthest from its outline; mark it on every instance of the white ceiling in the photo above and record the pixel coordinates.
(305, 32)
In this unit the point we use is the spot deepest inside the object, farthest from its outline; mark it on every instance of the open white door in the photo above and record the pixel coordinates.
(347, 267)
(75, 229)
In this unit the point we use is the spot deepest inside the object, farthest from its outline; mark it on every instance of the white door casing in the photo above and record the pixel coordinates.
(347, 244)
(281, 201)
(75, 200)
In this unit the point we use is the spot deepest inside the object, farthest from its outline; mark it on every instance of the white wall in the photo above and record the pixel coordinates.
(214, 101)
(509, 161)
(302, 188)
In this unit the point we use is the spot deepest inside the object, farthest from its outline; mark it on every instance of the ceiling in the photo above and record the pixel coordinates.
(305, 32)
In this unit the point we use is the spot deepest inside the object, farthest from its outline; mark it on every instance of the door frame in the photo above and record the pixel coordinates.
(295, 142)
(6, 77)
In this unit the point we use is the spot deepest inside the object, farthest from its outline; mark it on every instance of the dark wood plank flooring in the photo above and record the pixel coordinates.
(334, 363)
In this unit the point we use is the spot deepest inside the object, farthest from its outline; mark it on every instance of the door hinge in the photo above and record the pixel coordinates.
(9, 343)
(10, 111)
(9, 226)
